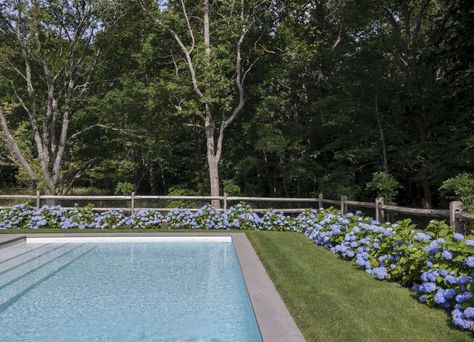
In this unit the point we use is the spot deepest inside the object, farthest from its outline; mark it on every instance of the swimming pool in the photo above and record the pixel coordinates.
(172, 290)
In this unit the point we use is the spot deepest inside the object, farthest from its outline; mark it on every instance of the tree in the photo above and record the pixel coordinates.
(208, 61)
(408, 21)
(340, 90)
(50, 53)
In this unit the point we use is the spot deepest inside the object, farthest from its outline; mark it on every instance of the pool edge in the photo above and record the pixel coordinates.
(274, 320)
(127, 239)
(8, 240)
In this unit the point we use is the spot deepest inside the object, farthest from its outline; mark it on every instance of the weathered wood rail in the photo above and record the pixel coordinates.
(456, 216)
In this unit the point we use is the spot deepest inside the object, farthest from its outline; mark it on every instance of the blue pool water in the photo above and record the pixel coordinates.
(124, 292)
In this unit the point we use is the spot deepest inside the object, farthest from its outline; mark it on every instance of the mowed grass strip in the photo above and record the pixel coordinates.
(331, 300)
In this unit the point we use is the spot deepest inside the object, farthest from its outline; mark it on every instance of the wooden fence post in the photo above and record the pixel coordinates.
(225, 202)
(454, 208)
(37, 199)
(343, 204)
(379, 212)
(133, 202)
(320, 201)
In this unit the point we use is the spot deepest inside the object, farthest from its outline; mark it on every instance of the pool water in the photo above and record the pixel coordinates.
(179, 291)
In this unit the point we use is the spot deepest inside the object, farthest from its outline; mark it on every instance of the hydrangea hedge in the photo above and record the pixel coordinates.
(437, 264)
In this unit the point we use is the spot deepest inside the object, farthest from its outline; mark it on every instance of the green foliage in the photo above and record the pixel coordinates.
(124, 188)
(385, 185)
(231, 188)
(331, 98)
(462, 186)
(83, 214)
(178, 191)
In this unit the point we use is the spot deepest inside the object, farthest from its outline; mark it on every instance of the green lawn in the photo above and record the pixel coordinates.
(331, 300)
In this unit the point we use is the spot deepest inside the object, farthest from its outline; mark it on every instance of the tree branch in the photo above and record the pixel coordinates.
(14, 149)
(338, 40)
(189, 26)
(122, 131)
(189, 62)
(239, 82)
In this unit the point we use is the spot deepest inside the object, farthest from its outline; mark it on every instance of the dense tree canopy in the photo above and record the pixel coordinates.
(325, 94)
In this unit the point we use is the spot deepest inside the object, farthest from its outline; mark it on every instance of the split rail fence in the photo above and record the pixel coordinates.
(456, 216)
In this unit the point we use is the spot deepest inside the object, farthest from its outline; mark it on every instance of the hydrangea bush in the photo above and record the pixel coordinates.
(436, 263)
(241, 217)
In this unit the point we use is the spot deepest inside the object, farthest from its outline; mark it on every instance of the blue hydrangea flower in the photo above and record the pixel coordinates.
(470, 261)
(447, 255)
(463, 280)
(469, 312)
(428, 287)
(463, 297)
(450, 279)
(449, 293)
(459, 319)
(439, 297)
(380, 272)
(420, 236)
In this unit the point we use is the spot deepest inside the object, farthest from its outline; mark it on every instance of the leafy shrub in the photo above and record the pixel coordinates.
(177, 191)
(462, 186)
(240, 216)
(143, 218)
(209, 218)
(124, 188)
(179, 218)
(436, 263)
(231, 188)
(385, 185)
(275, 220)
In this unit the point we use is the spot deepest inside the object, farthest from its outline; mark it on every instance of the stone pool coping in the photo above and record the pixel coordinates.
(8, 239)
(273, 318)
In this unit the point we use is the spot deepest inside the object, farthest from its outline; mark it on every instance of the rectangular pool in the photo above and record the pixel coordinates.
(127, 290)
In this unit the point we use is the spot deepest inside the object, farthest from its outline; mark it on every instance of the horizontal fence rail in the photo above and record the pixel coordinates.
(17, 197)
(330, 201)
(417, 212)
(202, 198)
(465, 216)
(270, 199)
(86, 198)
(361, 204)
(455, 214)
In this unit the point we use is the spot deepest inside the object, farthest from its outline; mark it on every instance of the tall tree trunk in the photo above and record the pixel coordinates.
(212, 159)
(214, 178)
(204, 90)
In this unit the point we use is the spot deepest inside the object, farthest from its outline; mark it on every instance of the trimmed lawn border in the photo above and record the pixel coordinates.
(332, 300)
